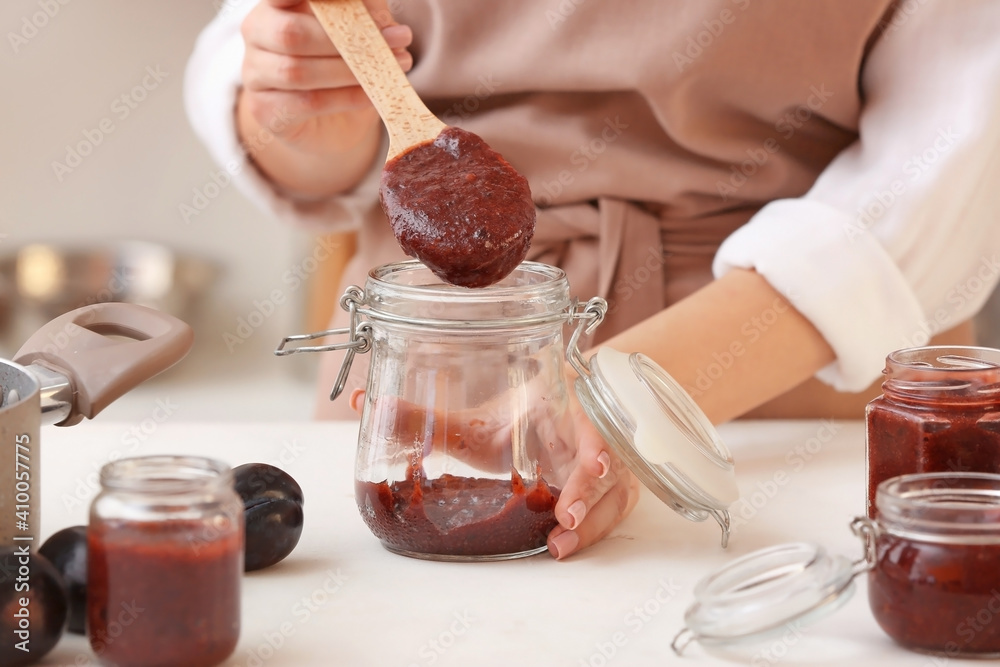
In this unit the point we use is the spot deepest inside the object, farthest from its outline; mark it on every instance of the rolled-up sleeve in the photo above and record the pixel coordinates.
(212, 82)
(899, 238)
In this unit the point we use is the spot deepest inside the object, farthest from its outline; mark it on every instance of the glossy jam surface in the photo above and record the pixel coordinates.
(936, 597)
(164, 593)
(459, 516)
(459, 207)
(905, 439)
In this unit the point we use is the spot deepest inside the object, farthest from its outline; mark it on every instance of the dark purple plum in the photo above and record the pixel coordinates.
(272, 503)
(33, 607)
(67, 551)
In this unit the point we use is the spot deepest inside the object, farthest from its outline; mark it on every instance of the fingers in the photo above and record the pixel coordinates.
(293, 110)
(299, 34)
(599, 520)
(279, 30)
(598, 494)
(357, 400)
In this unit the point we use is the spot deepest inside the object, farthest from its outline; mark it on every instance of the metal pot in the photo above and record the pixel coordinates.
(71, 368)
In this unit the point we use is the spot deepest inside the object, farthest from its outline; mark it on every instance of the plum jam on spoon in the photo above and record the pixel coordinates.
(453, 202)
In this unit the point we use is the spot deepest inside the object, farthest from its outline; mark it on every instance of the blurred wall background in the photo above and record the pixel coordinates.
(70, 71)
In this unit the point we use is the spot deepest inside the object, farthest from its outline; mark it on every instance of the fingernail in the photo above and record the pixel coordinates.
(565, 543)
(397, 36)
(605, 460)
(577, 510)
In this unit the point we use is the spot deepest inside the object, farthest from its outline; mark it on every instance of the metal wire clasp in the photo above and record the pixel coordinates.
(868, 531)
(359, 338)
(589, 317)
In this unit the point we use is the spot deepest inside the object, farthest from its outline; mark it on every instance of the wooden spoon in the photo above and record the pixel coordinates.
(452, 201)
(360, 43)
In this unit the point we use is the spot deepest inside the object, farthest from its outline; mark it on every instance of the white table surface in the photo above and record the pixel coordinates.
(340, 599)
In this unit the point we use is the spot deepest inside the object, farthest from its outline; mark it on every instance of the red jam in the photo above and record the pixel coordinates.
(460, 208)
(934, 415)
(163, 593)
(459, 516)
(903, 441)
(942, 598)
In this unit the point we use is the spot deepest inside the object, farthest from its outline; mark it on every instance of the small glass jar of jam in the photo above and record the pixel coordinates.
(165, 562)
(934, 585)
(466, 434)
(932, 559)
(939, 412)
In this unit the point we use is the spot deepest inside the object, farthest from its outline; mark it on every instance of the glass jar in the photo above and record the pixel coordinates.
(931, 558)
(466, 434)
(939, 412)
(934, 585)
(165, 561)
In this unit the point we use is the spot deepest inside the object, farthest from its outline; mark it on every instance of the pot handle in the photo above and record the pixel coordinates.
(100, 368)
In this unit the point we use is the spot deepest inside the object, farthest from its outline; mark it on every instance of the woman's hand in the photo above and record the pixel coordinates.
(300, 93)
(600, 491)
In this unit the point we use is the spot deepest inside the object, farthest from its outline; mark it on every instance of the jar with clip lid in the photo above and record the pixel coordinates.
(467, 434)
(931, 556)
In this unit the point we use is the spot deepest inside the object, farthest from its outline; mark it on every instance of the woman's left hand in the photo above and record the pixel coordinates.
(599, 493)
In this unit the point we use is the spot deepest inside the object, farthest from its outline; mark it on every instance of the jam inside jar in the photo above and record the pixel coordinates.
(939, 412)
(165, 562)
(466, 436)
(934, 583)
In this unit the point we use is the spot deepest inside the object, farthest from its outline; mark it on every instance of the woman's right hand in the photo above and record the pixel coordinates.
(298, 88)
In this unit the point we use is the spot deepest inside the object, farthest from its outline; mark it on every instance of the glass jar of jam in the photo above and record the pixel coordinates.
(939, 412)
(934, 585)
(165, 562)
(931, 558)
(466, 435)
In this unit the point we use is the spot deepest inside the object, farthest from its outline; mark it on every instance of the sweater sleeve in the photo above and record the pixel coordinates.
(899, 238)
(211, 82)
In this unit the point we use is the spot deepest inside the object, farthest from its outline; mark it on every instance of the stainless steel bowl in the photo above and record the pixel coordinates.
(42, 281)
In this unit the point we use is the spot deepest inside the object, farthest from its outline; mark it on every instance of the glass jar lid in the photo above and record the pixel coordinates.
(660, 433)
(757, 595)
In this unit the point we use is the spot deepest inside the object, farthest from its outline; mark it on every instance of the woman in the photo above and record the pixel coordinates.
(772, 196)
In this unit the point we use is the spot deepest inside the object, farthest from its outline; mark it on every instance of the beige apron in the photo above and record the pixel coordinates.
(648, 130)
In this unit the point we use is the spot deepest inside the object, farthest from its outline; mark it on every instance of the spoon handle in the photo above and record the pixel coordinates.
(353, 31)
